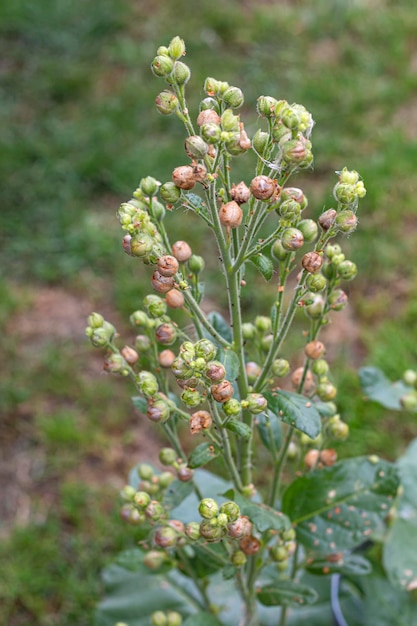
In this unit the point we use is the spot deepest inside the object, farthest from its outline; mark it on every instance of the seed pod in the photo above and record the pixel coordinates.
(191, 397)
(309, 230)
(196, 264)
(280, 367)
(265, 106)
(200, 420)
(260, 141)
(230, 214)
(154, 511)
(256, 403)
(126, 244)
(168, 265)
(233, 97)
(263, 187)
(165, 537)
(252, 371)
(316, 282)
(240, 193)
(328, 457)
(205, 349)
(346, 221)
(311, 458)
(162, 284)
(200, 172)
(195, 147)
(166, 102)
(239, 528)
(208, 116)
(192, 530)
(157, 409)
(320, 368)
(297, 377)
(184, 473)
(312, 262)
(141, 245)
(232, 407)
(215, 371)
(116, 364)
(208, 508)
(166, 334)
(292, 239)
(250, 545)
(166, 358)
(174, 299)
(326, 391)
(327, 219)
(314, 349)
(183, 177)
(181, 251)
(338, 300)
(347, 270)
(211, 532)
(181, 73)
(154, 559)
(223, 391)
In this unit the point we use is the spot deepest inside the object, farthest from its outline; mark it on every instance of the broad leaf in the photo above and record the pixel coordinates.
(202, 454)
(263, 264)
(220, 325)
(210, 485)
(140, 404)
(230, 361)
(176, 493)
(206, 560)
(377, 387)
(296, 411)
(261, 515)
(337, 508)
(400, 562)
(349, 564)
(286, 592)
(386, 605)
(269, 428)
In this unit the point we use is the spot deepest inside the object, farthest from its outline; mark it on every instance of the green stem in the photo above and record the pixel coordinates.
(226, 447)
(194, 308)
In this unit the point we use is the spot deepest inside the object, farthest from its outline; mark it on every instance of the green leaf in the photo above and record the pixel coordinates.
(324, 409)
(230, 360)
(220, 325)
(196, 204)
(176, 493)
(202, 454)
(386, 605)
(286, 592)
(399, 561)
(263, 264)
(296, 411)
(350, 564)
(337, 508)
(210, 485)
(242, 430)
(261, 515)
(269, 428)
(205, 560)
(140, 404)
(202, 619)
(376, 386)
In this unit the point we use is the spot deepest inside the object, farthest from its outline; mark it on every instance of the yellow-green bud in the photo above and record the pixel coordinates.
(141, 499)
(167, 456)
(265, 106)
(231, 509)
(147, 383)
(162, 65)
(208, 508)
(170, 193)
(176, 48)
(233, 97)
(166, 102)
(280, 368)
(206, 349)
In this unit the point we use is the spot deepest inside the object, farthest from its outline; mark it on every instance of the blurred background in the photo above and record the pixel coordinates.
(79, 130)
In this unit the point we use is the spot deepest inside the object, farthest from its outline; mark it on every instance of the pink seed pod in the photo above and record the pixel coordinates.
(239, 528)
(230, 214)
(312, 262)
(328, 456)
(249, 545)
(167, 265)
(311, 458)
(208, 116)
(240, 193)
(166, 358)
(297, 376)
(223, 391)
(161, 284)
(183, 177)
(181, 251)
(263, 187)
(184, 474)
(175, 299)
(129, 354)
(314, 349)
(326, 219)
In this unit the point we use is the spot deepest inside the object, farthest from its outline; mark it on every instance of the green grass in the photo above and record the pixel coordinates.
(79, 131)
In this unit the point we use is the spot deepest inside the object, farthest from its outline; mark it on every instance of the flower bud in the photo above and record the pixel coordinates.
(147, 383)
(338, 300)
(173, 618)
(232, 407)
(312, 262)
(292, 239)
(95, 320)
(315, 307)
(260, 142)
(165, 537)
(208, 508)
(230, 214)
(263, 187)
(181, 73)
(154, 559)
(155, 305)
(154, 511)
(314, 349)
(184, 474)
(196, 147)
(181, 369)
(205, 349)
(175, 299)
(265, 106)
(141, 499)
(200, 420)
(116, 364)
(162, 66)
(309, 230)
(102, 336)
(139, 318)
(191, 397)
(316, 282)
(181, 251)
(211, 532)
(337, 429)
(166, 334)
(278, 251)
(320, 368)
(128, 493)
(326, 391)
(233, 97)
(263, 323)
(252, 371)
(256, 403)
(223, 391)
(327, 219)
(250, 545)
(248, 331)
(129, 354)
(345, 193)
(167, 102)
(280, 367)
(347, 270)
(215, 371)
(297, 377)
(192, 530)
(196, 264)
(230, 121)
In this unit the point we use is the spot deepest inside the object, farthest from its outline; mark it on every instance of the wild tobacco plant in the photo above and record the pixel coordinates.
(240, 547)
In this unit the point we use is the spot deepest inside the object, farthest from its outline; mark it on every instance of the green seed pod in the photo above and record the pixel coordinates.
(326, 391)
(248, 331)
(165, 537)
(278, 553)
(141, 245)
(256, 403)
(278, 251)
(345, 193)
(210, 532)
(320, 368)
(141, 499)
(155, 511)
(316, 282)
(328, 269)
(238, 558)
(147, 383)
(145, 471)
(231, 509)
(232, 407)
(173, 618)
(211, 132)
(280, 368)
(265, 106)
(212, 86)
(116, 364)
(95, 320)
(158, 618)
(139, 318)
(290, 210)
(154, 559)
(205, 349)
(196, 264)
(409, 401)
(230, 121)
(165, 479)
(338, 299)
(170, 193)
(233, 97)
(208, 508)
(347, 270)
(315, 308)
(191, 397)
(263, 323)
(346, 222)
(167, 456)
(337, 429)
(209, 103)
(128, 493)
(158, 409)
(192, 530)
(101, 337)
(292, 239)
(181, 369)
(260, 142)
(167, 102)
(196, 147)
(155, 305)
(309, 230)
(180, 74)
(162, 66)
(252, 371)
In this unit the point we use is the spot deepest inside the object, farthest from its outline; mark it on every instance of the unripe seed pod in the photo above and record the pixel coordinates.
(238, 558)
(170, 192)
(328, 457)
(252, 371)
(250, 545)
(184, 474)
(154, 559)
(278, 251)
(316, 282)
(200, 420)
(129, 354)
(181, 369)
(192, 530)
(233, 97)
(337, 429)
(409, 401)
(210, 532)
(196, 147)
(157, 410)
(345, 193)
(158, 618)
(256, 403)
(327, 219)
(248, 331)
(260, 142)
(196, 264)
(165, 537)
(240, 528)
(173, 618)
(289, 210)
(230, 214)
(183, 177)
(176, 48)
(278, 553)
(292, 239)
(128, 493)
(115, 364)
(155, 306)
(167, 102)
(314, 349)
(145, 471)
(208, 508)
(294, 193)
(231, 510)
(167, 456)
(208, 116)
(410, 377)
(141, 245)
(232, 407)
(166, 334)
(312, 262)
(265, 106)
(181, 73)
(223, 391)
(240, 193)
(162, 284)
(280, 367)
(338, 299)
(191, 397)
(320, 368)
(346, 221)
(205, 349)
(211, 133)
(215, 371)
(142, 343)
(175, 299)
(309, 230)
(141, 499)
(263, 187)
(154, 511)
(181, 251)
(347, 270)
(263, 323)
(311, 458)
(315, 307)
(168, 265)
(149, 186)
(326, 391)
(166, 358)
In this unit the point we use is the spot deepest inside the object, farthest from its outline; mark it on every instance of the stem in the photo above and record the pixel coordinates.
(227, 450)
(194, 308)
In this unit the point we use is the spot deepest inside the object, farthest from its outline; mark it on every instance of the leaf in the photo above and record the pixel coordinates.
(296, 411)
(242, 430)
(287, 592)
(140, 404)
(263, 264)
(206, 561)
(202, 619)
(210, 485)
(202, 454)
(385, 605)
(350, 564)
(230, 360)
(336, 508)
(196, 204)
(376, 386)
(220, 325)
(324, 408)
(261, 515)
(176, 493)
(269, 428)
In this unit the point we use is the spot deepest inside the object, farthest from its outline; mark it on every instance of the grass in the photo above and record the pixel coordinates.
(79, 131)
